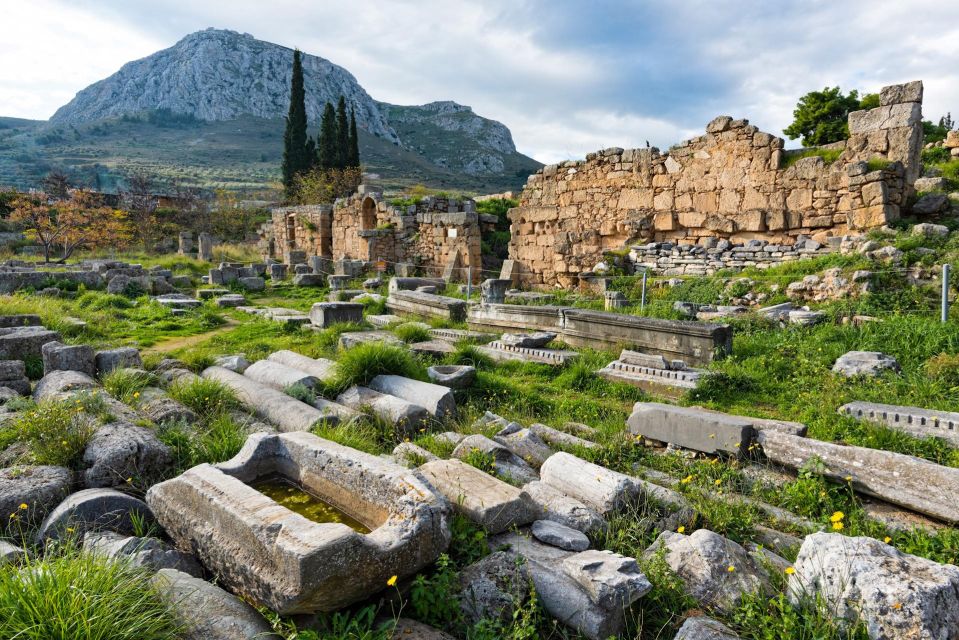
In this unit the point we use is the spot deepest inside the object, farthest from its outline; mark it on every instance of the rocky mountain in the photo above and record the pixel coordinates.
(211, 109)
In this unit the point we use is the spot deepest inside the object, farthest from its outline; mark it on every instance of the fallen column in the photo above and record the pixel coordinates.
(288, 414)
(278, 376)
(894, 477)
(319, 368)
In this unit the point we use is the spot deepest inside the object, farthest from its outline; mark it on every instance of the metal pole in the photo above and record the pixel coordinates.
(469, 282)
(946, 268)
(642, 301)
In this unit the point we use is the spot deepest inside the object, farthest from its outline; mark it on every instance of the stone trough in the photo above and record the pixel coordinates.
(280, 559)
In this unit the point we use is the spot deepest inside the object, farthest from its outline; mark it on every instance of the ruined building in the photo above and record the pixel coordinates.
(734, 183)
(436, 235)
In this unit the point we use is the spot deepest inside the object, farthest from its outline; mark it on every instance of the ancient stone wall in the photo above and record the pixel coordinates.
(434, 234)
(734, 182)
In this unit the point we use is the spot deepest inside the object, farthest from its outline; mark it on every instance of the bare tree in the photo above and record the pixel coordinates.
(141, 205)
(57, 185)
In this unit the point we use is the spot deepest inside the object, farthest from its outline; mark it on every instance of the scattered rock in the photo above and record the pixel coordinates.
(237, 363)
(109, 359)
(41, 489)
(506, 464)
(865, 363)
(897, 595)
(930, 230)
(120, 454)
(11, 554)
(493, 588)
(209, 612)
(716, 571)
(559, 535)
(931, 204)
(452, 376)
(150, 553)
(552, 504)
(703, 628)
(524, 443)
(535, 340)
(94, 510)
(61, 357)
(58, 384)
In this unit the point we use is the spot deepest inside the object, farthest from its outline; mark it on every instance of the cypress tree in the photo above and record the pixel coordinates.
(342, 135)
(326, 143)
(354, 155)
(310, 152)
(295, 159)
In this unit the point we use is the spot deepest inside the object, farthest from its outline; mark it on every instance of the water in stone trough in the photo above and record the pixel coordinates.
(288, 494)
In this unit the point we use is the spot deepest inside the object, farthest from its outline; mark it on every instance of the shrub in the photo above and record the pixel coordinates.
(301, 392)
(469, 354)
(944, 367)
(364, 362)
(412, 332)
(204, 396)
(56, 432)
(73, 594)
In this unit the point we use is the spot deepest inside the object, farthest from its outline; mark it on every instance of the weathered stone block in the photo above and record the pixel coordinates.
(326, 314)
(691, 428)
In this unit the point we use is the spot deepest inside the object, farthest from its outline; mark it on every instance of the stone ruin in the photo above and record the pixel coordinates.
(734, 184)
(439, 235)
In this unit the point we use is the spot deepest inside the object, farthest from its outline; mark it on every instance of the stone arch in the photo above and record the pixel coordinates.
(368, 214)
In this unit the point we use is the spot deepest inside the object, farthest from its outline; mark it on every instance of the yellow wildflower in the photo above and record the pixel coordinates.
(887, 539)
(789, 571)
(391, 582)
(23, 505)
(837, 516)
(681, 529)
(717, 482)
(687, 479)
(838, 525)
(730, 568)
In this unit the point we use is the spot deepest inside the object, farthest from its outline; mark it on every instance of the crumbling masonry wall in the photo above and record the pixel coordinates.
(733, 182)
(433, 234)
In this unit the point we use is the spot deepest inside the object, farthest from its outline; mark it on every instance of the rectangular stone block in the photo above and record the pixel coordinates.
(490, 503)
(418, 303)
(326, 314)
(691, 428)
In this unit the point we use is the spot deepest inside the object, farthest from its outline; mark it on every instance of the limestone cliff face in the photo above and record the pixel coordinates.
(219, 75)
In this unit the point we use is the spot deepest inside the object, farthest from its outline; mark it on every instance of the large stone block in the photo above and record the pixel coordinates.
(123, 357)
(405, 416)
(885, 117)
(899, 93)
(326, 314)
(41, 488)
(24, 342)
(418, 303)
(61, 357)
(491, 503)
(278, 376)
(120, 454)
(691, 428)
(280, 559)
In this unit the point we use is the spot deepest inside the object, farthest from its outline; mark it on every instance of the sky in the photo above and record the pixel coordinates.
(566, 76)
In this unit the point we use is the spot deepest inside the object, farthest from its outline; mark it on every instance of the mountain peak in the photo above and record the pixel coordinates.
(217, 74)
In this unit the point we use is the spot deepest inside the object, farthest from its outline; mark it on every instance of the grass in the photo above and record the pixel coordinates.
(126, 384)
(411, 332)
(67, 594)
(204, 396)
(56, 432)
(362, 363)
(828, 156)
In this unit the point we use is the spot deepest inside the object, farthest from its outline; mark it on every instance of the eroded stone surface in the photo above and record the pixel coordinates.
(898, 596)
(558, 535)
(598, 487)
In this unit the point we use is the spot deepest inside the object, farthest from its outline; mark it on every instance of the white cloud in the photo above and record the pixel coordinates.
(566, 78)
(50, 50)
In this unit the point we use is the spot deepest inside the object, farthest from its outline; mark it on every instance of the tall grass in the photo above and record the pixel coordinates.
(56, 432)
(364, 362)
(73, 595)
(204, 396)
(126, 384)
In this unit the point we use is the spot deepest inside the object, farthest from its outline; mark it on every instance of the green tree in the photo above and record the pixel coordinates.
(295, 158)
(354, 155)
(326, 143)
(820, 117)
(342, 135)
